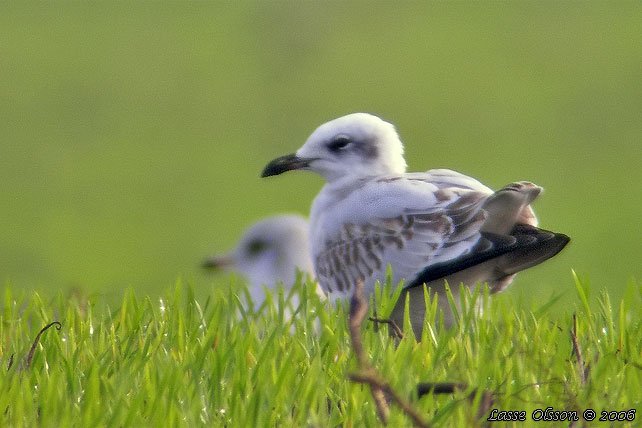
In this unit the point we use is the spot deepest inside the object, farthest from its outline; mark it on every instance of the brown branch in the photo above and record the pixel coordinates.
(358, 311)
(582, 370)
(378, 387)
(578, 352)
(372, 378)
(391, 323)
(437, 388)
(35, 342)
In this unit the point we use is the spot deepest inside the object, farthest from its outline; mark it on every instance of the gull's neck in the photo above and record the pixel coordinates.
(341, 186)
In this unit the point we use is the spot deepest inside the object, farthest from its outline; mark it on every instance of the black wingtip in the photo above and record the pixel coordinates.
(556, 242)
(561, 241)
(525, 247)
(546, 245)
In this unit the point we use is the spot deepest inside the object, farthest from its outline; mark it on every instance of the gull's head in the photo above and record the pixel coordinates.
(269, 252)
(356, 145)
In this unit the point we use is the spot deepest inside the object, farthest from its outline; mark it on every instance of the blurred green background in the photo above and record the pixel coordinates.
(132, 136)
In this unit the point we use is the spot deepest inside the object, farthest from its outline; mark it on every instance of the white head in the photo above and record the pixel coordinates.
(356, 145)
(269, 253)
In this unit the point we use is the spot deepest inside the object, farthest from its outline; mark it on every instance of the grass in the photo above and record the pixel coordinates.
(178, 361)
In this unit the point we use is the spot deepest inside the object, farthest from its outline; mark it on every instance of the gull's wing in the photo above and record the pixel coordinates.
(521, 192)
(499, 203)
(447, 178)
(427, 226)
(405, 221)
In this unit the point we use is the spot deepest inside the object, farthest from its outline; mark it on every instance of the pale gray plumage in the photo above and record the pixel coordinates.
(429, 227)
(269, 252)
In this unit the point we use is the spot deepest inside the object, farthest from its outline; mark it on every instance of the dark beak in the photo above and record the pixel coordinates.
(218, 262)
(284, 163)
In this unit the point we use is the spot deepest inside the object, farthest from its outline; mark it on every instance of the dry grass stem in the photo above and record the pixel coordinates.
(379, 388)
(578, 353)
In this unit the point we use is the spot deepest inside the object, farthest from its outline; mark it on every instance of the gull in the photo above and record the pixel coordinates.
(429, 227)
(269, 253)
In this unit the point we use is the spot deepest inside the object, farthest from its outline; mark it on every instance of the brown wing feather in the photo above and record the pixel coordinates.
(411, 240)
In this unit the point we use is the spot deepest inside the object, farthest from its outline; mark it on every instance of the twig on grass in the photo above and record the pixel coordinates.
(10, 362)
(32, 350)
(583, 370)
(371, 377)
(35, 342)
(391, 323)
(379, 388)
(439, 388)
(358, 311)
(436, 388)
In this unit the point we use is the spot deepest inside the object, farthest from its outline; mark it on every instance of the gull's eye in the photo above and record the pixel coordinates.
(255, 247)
(339, 143)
